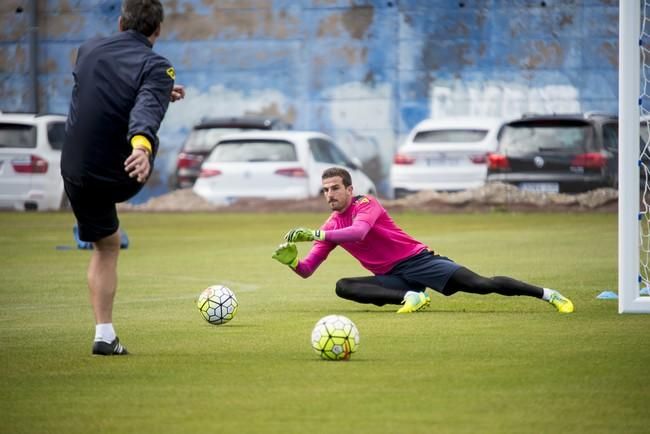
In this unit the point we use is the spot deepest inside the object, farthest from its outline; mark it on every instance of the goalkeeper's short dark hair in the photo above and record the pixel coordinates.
(143, 16)
(338, 171)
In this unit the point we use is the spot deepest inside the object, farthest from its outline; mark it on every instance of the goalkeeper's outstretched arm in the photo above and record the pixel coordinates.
(357, 231)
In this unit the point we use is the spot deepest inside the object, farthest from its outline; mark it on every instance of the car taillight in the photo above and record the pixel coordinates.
(293, 172)
(590, 160)
(497, 161)
(208, 173)
(403, 159)
(31, 164)
(478, 159)
(188, 161)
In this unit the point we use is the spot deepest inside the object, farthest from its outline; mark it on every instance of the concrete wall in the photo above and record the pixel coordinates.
(363, 71)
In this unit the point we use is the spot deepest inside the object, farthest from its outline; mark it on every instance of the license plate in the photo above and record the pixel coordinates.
(540, 187)
(443, 161)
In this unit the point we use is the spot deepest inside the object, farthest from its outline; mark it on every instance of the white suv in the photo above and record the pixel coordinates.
(30, 158)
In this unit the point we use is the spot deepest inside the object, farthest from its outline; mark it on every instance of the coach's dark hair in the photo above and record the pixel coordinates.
(143, 16)
(338, 171)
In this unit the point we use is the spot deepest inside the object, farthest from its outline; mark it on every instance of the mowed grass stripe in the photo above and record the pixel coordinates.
(469, 364)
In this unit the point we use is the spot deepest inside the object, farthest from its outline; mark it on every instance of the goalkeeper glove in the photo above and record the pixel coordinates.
(287, 254)
(302, 234)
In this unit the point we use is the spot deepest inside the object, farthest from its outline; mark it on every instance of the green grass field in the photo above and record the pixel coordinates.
(470, 364)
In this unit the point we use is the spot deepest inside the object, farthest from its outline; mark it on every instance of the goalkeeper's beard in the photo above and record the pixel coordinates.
(334, 205)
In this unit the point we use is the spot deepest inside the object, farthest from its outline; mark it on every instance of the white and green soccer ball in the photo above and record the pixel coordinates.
(217, 304)
(335, 337)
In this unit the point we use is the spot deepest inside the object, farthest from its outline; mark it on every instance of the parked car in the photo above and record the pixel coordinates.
(273, 165)
(205, 135)
(560, 153)
(444, 154)
(30, 161)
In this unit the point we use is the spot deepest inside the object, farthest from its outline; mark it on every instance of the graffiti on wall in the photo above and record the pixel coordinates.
(494, 98)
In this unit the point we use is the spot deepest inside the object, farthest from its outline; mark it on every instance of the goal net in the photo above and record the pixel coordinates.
(634, 160)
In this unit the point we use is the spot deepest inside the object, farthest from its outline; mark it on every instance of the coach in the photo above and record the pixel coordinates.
(121, 92)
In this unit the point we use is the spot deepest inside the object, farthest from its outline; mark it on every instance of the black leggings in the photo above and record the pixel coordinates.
(381, 290)
(371, 290)
(465, 280)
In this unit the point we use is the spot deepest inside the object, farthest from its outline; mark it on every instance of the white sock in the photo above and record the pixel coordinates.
(547, 294)
(104, 332)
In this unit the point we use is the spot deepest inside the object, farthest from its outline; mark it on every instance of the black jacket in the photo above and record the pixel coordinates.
(121, 88)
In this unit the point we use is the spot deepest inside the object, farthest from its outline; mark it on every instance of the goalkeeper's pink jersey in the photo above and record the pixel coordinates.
(384, 245)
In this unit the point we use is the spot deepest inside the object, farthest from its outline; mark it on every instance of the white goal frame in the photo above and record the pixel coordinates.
(629, 298)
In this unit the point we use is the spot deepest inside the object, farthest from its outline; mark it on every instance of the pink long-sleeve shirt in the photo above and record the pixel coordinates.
(368, 233)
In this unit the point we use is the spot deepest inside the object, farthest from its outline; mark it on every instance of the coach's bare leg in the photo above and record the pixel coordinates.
(102, 277)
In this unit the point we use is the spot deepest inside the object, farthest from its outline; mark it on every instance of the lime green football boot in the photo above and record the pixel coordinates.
(414, 301)
(561, 303)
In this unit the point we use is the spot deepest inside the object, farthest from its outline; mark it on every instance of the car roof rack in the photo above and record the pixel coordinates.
(238, 122)
(49, 114)
(585, 115)
(592, 113)
(17, 112)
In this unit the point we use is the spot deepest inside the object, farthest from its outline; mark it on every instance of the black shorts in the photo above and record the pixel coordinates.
(93, 203)
(423, 270)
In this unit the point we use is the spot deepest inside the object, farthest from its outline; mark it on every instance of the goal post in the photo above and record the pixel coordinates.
(630, 105)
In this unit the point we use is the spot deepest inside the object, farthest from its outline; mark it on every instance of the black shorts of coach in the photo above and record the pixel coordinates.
(94, 202)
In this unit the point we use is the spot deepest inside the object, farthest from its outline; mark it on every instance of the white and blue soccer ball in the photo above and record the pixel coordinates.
(335, 337)
(217, 304)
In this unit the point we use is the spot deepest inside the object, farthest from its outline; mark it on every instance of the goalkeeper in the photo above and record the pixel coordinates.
(403, 267)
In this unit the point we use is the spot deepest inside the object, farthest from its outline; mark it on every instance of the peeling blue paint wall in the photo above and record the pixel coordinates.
(364, 72)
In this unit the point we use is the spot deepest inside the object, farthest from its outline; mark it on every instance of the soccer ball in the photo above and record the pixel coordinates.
(217, 304)
(335, 337)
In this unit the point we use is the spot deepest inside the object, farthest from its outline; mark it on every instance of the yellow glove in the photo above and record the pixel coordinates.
(287, 254)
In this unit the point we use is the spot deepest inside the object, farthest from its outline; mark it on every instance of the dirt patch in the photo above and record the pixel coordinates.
(492, 197)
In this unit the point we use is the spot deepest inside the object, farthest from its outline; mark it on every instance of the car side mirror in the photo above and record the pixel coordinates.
(356, 163)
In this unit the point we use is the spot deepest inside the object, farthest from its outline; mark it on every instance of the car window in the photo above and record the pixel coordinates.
(610, 136)
(56, 134)
(17, 136)
(450, 136)
(204, 139)
(325, 151)
(253, 151)
(546, 137)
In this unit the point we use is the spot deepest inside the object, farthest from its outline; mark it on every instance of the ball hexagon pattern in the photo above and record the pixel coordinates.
(217, 304)
(335, 337)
